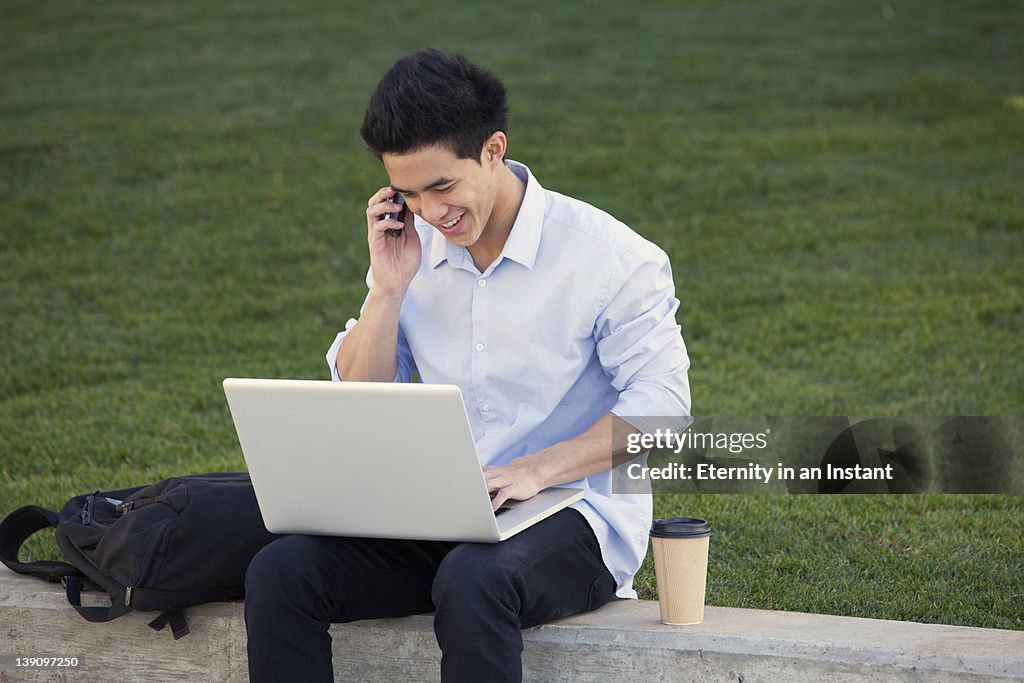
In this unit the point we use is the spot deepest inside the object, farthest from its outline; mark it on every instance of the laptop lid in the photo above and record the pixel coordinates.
(375, 459)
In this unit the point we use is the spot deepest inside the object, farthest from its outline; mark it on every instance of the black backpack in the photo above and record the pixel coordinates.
(163, 547)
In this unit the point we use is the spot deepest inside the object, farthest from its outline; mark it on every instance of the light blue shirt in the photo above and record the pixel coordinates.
(574, 319)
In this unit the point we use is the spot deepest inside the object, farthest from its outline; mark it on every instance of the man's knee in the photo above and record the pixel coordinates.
(472, 572)
(278, 571)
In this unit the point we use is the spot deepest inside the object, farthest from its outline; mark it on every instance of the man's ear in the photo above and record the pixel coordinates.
(494, 149)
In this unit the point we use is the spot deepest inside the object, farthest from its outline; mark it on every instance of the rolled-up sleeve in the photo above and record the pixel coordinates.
(639, 343)
(405, 361)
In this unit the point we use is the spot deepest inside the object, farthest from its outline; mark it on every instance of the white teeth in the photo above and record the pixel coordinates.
(451, 223)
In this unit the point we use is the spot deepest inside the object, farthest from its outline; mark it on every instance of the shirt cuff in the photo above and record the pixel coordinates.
(332, 353)
(661, 404)
(403, 375)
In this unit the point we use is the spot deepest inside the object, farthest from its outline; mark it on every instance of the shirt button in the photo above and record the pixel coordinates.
(479, 347)
(482, 282)
(486, 407)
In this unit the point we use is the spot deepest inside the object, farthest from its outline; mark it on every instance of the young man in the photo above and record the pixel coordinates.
(553, 318)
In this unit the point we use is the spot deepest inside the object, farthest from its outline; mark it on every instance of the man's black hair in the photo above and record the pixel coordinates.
(431, 97)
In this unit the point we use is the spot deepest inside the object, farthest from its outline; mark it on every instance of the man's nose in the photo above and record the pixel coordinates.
(432, 210)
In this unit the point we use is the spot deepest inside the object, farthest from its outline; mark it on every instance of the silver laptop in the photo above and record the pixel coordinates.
(372, 459)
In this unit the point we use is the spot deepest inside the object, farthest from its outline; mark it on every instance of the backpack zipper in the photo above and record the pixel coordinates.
(87, 510)
(148, 558)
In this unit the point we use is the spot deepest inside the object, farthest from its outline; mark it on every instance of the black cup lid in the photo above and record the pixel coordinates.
(680, 527)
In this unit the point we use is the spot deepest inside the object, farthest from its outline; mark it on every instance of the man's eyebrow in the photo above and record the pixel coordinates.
(437, 183)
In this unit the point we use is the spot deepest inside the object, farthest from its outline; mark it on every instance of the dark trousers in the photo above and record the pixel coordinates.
(483, 595)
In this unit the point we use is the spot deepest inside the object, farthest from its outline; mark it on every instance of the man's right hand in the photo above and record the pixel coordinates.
(394, 260)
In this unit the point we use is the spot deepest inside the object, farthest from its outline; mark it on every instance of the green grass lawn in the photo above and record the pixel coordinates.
(838, 186)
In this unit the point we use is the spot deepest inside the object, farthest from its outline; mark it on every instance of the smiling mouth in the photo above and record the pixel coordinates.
(452, 225)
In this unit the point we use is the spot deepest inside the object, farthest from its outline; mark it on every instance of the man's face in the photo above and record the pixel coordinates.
(454, 195)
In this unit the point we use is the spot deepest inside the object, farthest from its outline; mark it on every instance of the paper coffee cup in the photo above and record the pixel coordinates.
(681, 567)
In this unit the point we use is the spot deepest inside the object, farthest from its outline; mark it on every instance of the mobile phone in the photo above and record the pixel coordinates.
(400, 216)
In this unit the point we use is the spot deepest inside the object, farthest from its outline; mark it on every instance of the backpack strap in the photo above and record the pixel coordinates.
(179, 627)
(16, 528)
(73, 588)
(22, 523)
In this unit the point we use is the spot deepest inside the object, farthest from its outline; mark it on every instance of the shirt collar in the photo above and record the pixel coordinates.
(522, 243)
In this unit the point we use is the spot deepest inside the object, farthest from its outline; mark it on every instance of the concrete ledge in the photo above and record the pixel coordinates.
(623, 641)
